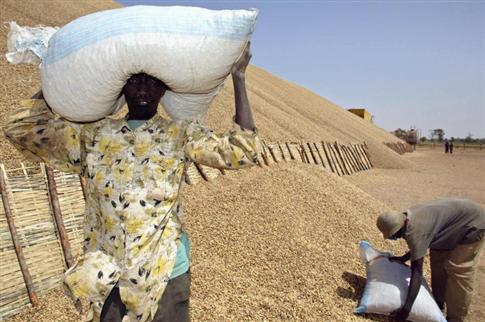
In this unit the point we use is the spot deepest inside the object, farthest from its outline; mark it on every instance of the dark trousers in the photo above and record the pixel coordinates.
(172, 307)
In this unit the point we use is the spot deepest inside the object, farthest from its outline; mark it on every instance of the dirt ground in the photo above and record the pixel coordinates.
(434, 175)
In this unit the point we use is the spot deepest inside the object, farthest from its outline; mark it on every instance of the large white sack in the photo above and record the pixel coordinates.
(387, 286)
(190, 49)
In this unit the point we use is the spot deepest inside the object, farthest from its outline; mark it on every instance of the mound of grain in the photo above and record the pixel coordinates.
(279, 245)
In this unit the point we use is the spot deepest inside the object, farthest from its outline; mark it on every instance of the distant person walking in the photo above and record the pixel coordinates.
(451, 147)
(454, 231)
(447, 146)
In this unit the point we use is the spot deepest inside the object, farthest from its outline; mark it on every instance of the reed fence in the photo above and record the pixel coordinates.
(399, 147)
(41, 215)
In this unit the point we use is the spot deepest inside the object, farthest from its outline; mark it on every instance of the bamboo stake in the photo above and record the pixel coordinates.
(362, 157)
(337, 159)
(13, 234)
(341, 159)
(353, 164)
(349, 158)
(356, 157)
(282, 153)
(265, 159)
(56, 212)
(201, 171)
(329, 159)
(346, 159)
(341, 153)
(300, 151)
(361, 147)
(289, 151)
(258, 162)
(272, 153)
(265, 156)
(364, 150)
(334, 159)
(307, 159)
(319, 155)
(311, 152)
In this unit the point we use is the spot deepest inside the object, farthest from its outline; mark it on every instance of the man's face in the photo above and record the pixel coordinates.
(398, 234)
(142, 94)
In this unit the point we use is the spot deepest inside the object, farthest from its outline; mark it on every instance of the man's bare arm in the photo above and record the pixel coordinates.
(244, 115)
(414, 285)
(404, 258)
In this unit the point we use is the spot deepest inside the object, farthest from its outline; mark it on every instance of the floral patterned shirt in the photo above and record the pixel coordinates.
(132, 207)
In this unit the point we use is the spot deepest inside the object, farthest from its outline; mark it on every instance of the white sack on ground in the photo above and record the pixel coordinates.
(387, 285)
(190, 49)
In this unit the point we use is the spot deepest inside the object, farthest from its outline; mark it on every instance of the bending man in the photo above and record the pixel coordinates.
(454, 231)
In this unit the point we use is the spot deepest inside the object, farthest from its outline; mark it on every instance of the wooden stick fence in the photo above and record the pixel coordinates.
(341, 159)
(43, 210)
(399, 147)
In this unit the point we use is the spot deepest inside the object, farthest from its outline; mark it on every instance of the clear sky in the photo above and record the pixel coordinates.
(419, 63)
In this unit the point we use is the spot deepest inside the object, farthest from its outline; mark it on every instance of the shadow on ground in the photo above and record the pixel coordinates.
(354, 293)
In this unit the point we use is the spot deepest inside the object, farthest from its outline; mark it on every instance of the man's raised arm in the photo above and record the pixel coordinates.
(244, 115)
(235, 149)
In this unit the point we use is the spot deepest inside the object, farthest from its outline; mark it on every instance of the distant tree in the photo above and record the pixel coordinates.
(423, 139)
(437, 133)
(400, 133)
(469, 138)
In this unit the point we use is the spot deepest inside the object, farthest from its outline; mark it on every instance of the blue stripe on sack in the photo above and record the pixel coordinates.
(362, 308)
(189, 21)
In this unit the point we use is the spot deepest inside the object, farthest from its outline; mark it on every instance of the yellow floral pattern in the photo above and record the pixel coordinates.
(133, 182)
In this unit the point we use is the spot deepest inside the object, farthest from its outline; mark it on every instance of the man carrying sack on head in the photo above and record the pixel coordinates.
(453, 230)
(135, 265)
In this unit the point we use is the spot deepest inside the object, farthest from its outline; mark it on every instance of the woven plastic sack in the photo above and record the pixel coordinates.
(387, 285)
(190, 49)
(27, 45)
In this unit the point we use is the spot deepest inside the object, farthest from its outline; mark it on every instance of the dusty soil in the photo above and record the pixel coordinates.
(434, 175)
